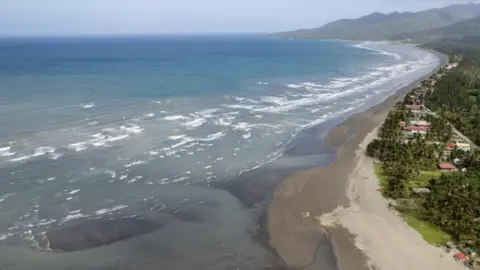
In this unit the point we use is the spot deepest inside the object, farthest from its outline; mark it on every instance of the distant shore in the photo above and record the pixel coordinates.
(310, 197)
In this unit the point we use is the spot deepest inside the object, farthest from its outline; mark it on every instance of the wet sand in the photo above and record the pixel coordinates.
(301, 199)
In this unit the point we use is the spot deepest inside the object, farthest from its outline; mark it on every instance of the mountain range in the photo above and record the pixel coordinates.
(454, 31)
(460, 19)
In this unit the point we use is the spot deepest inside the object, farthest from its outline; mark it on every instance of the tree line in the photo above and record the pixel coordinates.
(452, 203)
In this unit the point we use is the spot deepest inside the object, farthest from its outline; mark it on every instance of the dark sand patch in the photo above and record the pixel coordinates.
(188, 215)
(97, 232)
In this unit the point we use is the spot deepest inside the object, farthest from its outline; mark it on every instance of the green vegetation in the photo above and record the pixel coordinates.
(457, 97)
(429, 232)
(424, 178)
(446, 205)
(378, 26)
(381, 176)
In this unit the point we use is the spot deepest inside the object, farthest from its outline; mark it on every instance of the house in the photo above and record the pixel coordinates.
(471, 252)
(450, 146)
(460, 257)
(447, 167)
(452, 65)
(420, 123)
(412, 130)
(421, 191)
(463, 146)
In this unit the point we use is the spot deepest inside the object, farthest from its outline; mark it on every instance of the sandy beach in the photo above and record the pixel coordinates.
(340, 203)
(381, 233)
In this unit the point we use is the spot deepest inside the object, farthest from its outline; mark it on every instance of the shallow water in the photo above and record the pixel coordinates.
(101, 128)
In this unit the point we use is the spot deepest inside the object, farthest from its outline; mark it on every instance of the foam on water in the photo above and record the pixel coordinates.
(175, 117)
(73, 215)
(21, 158)
(6, 151)
(74, 191)
(42, 150)
(88, 106)
(80, 146)
(134, 163)
(177, 137)
(109, 210)
(369, 45)
(132, 129)
(6, 196)
(195, 123)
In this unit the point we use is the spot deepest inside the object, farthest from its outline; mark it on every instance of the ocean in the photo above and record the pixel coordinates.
(122, 127)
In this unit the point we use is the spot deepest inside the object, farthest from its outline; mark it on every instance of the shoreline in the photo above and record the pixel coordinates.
(304, 198)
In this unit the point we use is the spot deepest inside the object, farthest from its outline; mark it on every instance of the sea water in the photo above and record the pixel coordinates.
(120, 126)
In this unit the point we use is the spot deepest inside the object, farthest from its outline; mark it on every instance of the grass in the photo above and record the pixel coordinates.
(429, 232)
(381, 176)
(424, 178)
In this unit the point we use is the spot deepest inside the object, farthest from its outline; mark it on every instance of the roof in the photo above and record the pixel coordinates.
(421, 190)
(446, 165)
(417, 128)
(450, 145)
(461, 256)
(420, 123)
(463, 145)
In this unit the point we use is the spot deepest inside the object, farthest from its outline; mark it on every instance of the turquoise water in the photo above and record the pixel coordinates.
(108, 127)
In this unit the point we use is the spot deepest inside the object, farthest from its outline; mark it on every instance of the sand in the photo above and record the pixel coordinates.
(381, 233)
(294, 232)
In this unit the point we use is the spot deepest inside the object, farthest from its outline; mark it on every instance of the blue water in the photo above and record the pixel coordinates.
(97, 127)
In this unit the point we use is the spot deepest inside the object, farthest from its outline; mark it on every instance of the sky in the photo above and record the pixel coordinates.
(143, 17)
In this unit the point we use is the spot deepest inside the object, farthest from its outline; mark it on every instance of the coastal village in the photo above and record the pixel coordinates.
(418, 151)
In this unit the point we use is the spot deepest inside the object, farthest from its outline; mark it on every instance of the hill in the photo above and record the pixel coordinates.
(459, 30)
(379, 26)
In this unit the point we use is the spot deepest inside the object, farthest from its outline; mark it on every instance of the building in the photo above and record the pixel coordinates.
(447, 167)
(452, 65)
(421, 191)
(463, 146)
(419, 123)
(450, 146)
(410, 131)
(471, 252)
(460, 257)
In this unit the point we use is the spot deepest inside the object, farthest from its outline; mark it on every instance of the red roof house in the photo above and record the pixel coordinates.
(460, 257)
(450, 145)
(446, 166)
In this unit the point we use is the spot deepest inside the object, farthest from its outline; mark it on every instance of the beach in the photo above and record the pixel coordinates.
(341, 203)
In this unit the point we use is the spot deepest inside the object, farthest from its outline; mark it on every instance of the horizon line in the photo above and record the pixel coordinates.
(130, 35)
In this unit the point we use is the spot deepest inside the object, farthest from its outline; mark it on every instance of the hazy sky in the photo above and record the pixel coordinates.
(61, 17)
